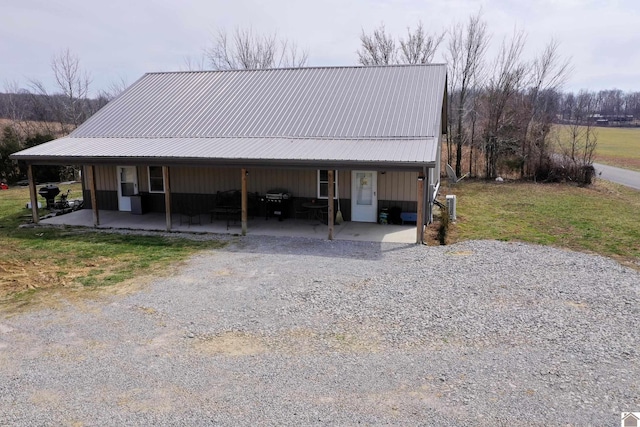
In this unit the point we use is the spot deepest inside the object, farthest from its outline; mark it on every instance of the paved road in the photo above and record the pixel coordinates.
(618, 175)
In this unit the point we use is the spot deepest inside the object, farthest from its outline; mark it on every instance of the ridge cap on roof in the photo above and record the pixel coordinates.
(315, 67)
(323, 138)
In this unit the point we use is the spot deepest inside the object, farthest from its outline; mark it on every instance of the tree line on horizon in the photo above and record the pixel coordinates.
(500, 110)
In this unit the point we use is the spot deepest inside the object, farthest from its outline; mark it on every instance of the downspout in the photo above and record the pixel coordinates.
(421, 212)
(428, 214)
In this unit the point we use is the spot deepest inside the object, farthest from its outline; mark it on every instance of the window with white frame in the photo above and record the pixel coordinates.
(323, 184)
(156, 179)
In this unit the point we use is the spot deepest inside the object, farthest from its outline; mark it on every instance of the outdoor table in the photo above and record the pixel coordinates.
(317, 210)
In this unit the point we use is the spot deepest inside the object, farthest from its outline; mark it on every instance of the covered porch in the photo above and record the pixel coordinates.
(355, 231)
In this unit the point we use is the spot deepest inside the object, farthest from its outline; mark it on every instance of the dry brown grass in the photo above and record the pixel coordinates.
(619, 161)
(26, 129)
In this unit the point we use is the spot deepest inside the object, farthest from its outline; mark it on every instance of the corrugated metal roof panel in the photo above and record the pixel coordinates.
(272, 150)
(334, 102)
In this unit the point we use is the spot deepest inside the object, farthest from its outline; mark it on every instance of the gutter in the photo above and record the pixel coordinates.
(236, 162)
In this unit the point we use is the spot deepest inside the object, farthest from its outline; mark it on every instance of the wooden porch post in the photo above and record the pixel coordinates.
(330, 207)
(243, 199)
(167, 195)
(32, 195)
(91, 177)
(420, 213)
(428, 197)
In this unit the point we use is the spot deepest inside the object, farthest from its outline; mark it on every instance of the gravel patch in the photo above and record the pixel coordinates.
(283, 331)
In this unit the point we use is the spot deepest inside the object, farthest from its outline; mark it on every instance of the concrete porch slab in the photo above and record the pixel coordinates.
(357, 231)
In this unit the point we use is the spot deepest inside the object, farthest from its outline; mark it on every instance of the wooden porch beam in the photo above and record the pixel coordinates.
(330, 207)
(420, 213)
(243, 200)
(91, 177)
(167, 195)
(32, 195)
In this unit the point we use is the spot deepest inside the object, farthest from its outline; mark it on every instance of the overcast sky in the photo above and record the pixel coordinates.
(123, 39)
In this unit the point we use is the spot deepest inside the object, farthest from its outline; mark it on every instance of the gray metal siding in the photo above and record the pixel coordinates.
(203, 180)
(107, 200)
(401, 186)
(392, 185)
(106, 178)
(301, 183)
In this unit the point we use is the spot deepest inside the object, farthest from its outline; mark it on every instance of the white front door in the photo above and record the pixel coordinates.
(127, 186)
(364, 196)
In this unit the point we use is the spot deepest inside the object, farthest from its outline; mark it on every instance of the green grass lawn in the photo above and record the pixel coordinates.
(618, 147)
(602, 218)
(33, 259)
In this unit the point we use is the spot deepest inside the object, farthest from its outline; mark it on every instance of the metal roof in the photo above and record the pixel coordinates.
(402, 154)
(331, 102)
(367, 114)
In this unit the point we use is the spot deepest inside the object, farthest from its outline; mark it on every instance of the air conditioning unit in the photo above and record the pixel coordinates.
(451, 206)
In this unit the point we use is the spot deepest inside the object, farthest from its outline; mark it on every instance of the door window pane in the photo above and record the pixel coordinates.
(364, 188)
(127, 186)
(127, 189)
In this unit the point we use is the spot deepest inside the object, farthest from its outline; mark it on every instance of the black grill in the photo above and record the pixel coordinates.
(278, 203)
(49, 192)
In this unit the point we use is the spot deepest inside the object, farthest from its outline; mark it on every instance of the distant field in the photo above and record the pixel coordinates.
(619, 147)
(29, 127)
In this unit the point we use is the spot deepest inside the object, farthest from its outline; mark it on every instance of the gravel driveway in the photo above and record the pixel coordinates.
(283, 331)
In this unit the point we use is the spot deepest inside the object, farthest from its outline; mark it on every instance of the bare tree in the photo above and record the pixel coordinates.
(578, 140)
(70, 103)
(419, 47)
(73, 83)
(115, 88)
(465, 55)
(547, 75)
(378, 48)
(473, 115)
(501, 131)
(194, 64)
(246, 50)
(15, 109)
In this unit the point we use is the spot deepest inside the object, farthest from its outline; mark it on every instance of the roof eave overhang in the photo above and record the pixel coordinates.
(239, 162)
